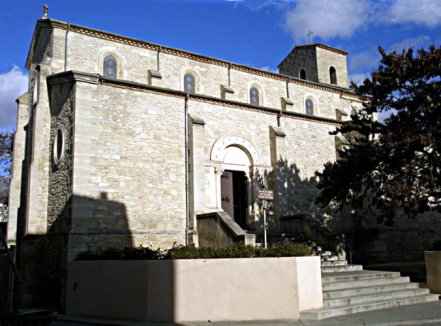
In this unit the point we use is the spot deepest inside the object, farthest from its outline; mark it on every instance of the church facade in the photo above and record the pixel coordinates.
(122, 142)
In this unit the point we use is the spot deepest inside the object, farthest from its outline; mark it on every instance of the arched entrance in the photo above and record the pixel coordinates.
(235, 158)
(235, 184)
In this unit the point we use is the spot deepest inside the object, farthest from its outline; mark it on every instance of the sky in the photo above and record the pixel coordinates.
(257, 33)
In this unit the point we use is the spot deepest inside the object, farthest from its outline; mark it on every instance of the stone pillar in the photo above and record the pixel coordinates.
(18, 157)
(218, 173)
(197, 174)
(278, 162)
(36, 208)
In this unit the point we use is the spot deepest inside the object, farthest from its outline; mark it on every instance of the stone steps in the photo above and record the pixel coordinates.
(348, 289)
(334, 263)
(341, 268)
(368, 290)
(374, 297)
(323, 313)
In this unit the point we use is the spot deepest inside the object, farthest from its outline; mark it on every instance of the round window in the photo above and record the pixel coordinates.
(58, 150)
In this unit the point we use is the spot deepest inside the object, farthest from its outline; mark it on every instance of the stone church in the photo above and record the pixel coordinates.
(122, 142)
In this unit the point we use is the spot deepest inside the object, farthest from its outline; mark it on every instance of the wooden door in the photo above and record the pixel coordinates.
(227, 197)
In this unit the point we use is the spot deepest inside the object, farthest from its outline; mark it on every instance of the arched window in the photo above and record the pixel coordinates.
(189, 83)
(333, 75)
(254, 96)
(302, 74)
(110, 67)
(309, 107)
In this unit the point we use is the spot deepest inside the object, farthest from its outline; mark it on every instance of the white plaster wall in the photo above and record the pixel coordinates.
(195, 290)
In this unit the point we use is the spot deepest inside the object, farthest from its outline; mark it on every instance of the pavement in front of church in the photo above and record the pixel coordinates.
(413, 315)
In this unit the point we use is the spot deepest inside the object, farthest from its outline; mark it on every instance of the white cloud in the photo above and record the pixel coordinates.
(415, 42)
(270, 69)
(364, 61)
(358, 78)
(327, 18)
(425, 12)
(12, 85)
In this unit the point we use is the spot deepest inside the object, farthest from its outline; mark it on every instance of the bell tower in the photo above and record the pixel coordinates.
(318, 63)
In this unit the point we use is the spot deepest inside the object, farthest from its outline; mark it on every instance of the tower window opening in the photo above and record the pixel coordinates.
(303, 74)
(333, 75)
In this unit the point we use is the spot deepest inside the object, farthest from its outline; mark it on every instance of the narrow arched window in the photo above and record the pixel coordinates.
(254, 96)
(309, 107)
(302, 74)
(189, 84)
(333, 75)
(110, 67)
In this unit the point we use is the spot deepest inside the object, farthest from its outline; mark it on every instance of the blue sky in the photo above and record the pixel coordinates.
(258, 33)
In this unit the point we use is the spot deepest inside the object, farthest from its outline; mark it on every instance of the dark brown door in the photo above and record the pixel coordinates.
(227, 192)
(234, 196)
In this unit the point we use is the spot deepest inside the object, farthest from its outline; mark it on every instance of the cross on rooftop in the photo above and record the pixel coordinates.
(310, 36)
(45, 8)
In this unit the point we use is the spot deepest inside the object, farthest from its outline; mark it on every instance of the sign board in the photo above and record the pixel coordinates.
(265, 194)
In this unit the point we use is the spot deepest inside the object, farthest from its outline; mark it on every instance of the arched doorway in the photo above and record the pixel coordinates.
(235, 184)
(235, 159)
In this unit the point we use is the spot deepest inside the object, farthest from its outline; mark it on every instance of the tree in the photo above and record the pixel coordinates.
(395, 163)
(6, 142)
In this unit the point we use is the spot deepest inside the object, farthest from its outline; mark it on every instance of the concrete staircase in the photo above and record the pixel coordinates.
(348, 289)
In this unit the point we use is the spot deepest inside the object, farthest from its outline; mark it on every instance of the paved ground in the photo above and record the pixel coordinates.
(421, 314)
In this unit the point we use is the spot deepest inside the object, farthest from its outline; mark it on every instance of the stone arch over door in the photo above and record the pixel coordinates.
(220, 146)
(236, 158)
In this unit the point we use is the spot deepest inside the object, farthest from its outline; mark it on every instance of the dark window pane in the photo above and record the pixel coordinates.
(333, 75)
(309, 107)
(110, 67)
(254, 96)
(302, 74)
(59, 143)
(189, 85)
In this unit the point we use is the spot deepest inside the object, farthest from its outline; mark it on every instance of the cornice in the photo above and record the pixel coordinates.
(201, 58)
(323, 46)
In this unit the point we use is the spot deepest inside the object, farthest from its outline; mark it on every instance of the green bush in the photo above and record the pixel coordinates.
(285, 249)
(139, 253)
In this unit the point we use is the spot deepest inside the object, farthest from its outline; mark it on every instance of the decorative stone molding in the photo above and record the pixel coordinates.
(197, 121)
(218, 150)
(154, 77)
(226, 91)
(287, 104)
(278, 131)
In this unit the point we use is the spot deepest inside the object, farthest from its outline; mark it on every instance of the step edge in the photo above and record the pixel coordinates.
(423, 291)
(371, 303)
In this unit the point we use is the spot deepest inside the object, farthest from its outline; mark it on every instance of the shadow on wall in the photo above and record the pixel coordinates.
(293, 195)
(92, 224)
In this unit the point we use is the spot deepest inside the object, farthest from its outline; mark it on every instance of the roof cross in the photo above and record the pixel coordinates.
(309, 35)
(45, 8)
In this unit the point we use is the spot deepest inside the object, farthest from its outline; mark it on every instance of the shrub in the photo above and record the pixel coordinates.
(285, 249)
(139, 253)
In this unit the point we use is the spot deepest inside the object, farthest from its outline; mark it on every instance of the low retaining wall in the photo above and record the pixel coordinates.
(195, 289)
(433, 270)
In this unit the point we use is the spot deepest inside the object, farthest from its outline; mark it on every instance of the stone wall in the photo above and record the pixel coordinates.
(128, 179)
(17, 162)
(129, 143)
(326, 59)
(301, 58)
